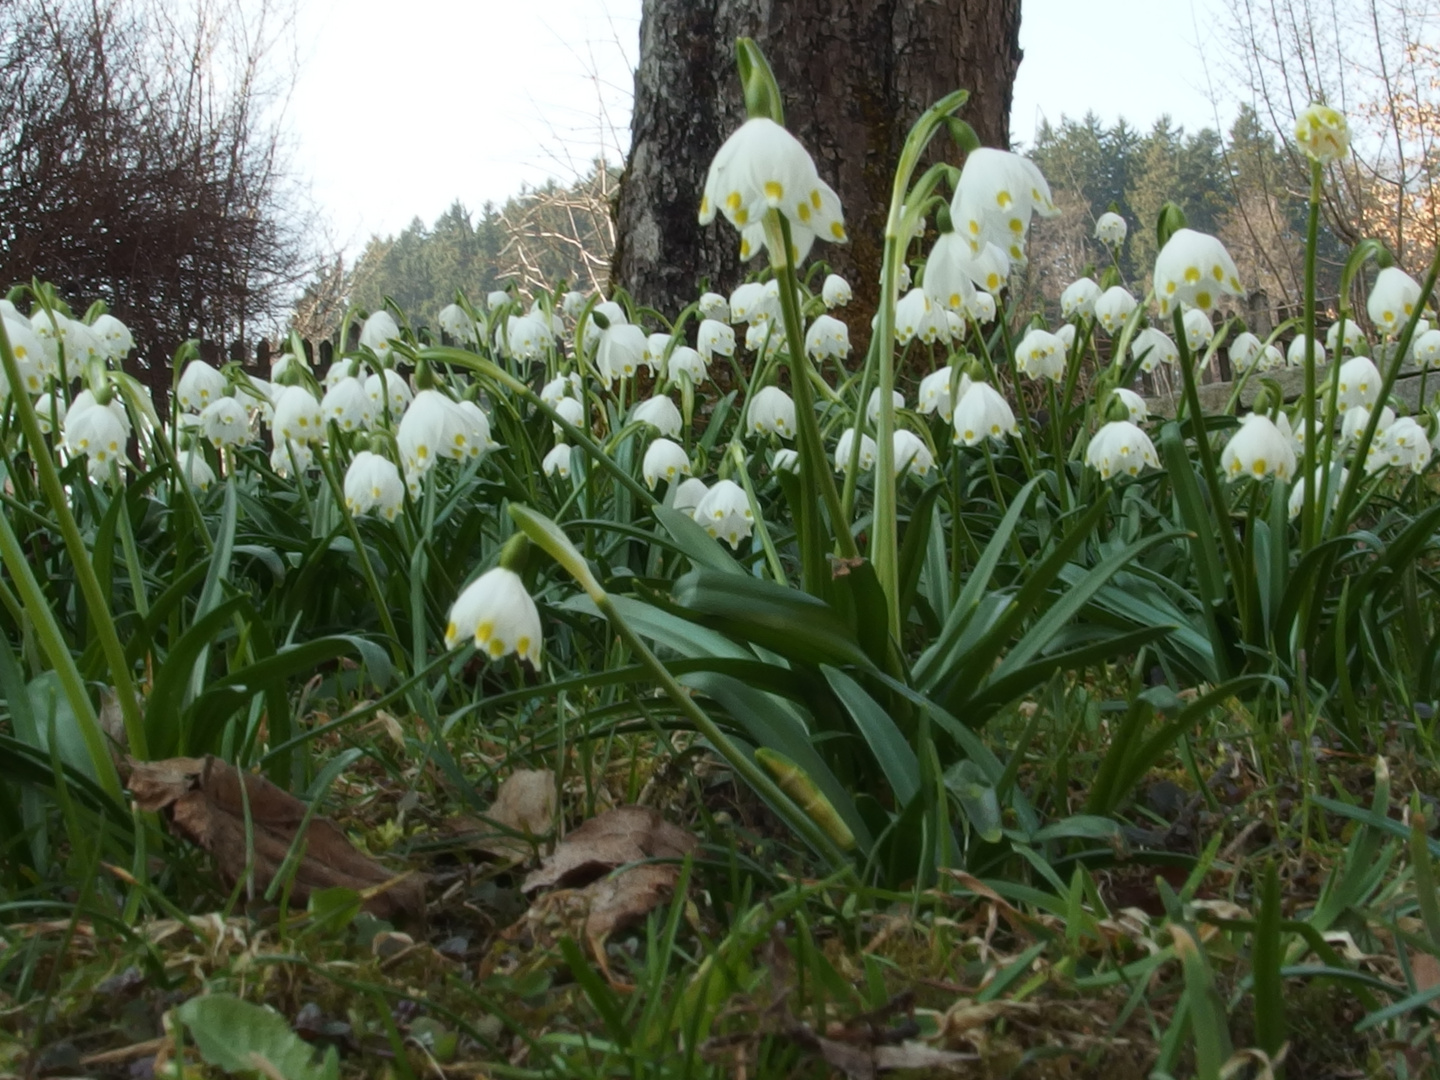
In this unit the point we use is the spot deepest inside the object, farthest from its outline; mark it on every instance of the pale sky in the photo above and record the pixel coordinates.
(400, 109)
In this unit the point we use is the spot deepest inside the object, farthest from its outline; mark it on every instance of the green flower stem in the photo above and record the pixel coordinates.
(132, 559)
(546, 534)
(852, 467)
(337, 490)
(815, 478)
(1062, 477)
(1308, 521)
(95, 598)
(1219, 506)
(772, 557)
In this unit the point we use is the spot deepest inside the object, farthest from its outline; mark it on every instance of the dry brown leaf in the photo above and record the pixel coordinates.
(859, 1062)
(623, 835)
(617, 837)
(524, 804)
(1426, 970)
(203, 799)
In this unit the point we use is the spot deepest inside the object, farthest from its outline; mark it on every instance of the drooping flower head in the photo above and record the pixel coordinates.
(724, 512)
(1322, 133)
(1258, 449)
(997, 194)
(498, 614)
(1120, 447)
(983, 413)
(1194, 268)
(1392, 301)
(1110, 228)
(664, 460)
(1113, 307)
(762, 167)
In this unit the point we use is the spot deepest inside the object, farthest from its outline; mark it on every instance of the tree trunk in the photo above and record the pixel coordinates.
(854, 75)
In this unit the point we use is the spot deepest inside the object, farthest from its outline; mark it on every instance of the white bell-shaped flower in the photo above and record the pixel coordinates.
(664, 460)
(766, 337)
(1078, 298)
(1110, 228)
(1153, 347)
(497, 614)
(348, 405)
(289, 457)
(621, 352)
(750, 302)
(936, 395)
(196, 470)
(1322, 133)
(1338, 476)
(96, 431)
(1402, 445)
(1040, 354)
(836, 292)
(713, 339)
(785, 460)
(569, 410)
(455, 321)
(661, 414)
(525, 337)
(949, 272)
(49, 412)
(1355, 420)
(557, 461)
(1258, 449)
(372, 482)
(200, 385)
(911, 454)
(1427, 348)
(30, 357)
(687, 495)
(686, 362)
(1392, 301)
(872, 407)
(1245, 349)
(496, 299)
(828, 339)
(714, 306)
(724, 512)
(1359, 382)
(378, 332)
(761, 167)
(916, 317)
(982, 308)
(388, 384)
(771, 411)
(845, 447)
(1194, 268)
(1198, 329)
(1354, 337)
(557, 388)
(115, 337)
(479, 424)
(1295, 354)
(1134, 404)
(572, 303)
(1114, 307)
(656, 347)
(224, 422)
(297, 416)
(433, 427)
(983, 412)
(997, 193)
(1120, 448)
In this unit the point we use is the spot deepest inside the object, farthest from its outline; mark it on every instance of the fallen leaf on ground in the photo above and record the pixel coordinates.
(524, 804)
(604, 904)
(202, 798)
(867, 1062)
(623, 835)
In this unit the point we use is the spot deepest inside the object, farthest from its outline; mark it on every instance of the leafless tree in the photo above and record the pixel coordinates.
(141, 162)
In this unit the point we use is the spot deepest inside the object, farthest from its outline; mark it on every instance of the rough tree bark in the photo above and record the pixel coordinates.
(854, 74)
